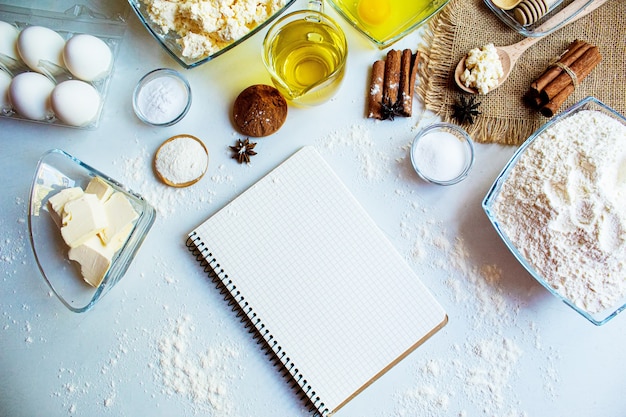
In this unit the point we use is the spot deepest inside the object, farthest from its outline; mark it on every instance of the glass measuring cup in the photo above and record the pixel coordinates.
(305, 54)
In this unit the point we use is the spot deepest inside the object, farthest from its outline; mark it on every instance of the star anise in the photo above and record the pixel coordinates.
(243, 150)
(388, 110)
(465, 110)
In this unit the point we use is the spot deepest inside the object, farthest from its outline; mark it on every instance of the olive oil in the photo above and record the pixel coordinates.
(387, 20)
(306, 58)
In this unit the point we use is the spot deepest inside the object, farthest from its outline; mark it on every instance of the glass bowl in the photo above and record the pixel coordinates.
(55, 171)
(162, 97)
(559, 192)
(169, 40)
(442, 154)
(386, 21)
(534, 29)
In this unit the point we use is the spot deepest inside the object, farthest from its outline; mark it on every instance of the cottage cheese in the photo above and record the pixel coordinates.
(483, 69)
(204, 27)
(564, 207)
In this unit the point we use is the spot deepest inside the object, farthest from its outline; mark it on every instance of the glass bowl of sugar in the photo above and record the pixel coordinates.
(162, 97)
(558, 205)
(442, 154)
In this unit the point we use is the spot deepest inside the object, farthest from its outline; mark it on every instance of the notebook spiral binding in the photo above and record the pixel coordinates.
(236, 301)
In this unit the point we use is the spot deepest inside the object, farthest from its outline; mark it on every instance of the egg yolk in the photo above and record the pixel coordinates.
(374, 11)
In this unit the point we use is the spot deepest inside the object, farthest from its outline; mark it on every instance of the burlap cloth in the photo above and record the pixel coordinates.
(505, 119)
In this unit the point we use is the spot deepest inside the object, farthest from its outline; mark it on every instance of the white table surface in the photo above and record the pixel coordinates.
(510, 348)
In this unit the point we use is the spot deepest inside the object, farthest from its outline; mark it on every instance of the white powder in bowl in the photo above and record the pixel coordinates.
(181, 160)
(564, 207)
(163, 99)
(440, 156)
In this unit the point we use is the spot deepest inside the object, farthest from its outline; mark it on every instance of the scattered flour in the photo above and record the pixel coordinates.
(564, 207)
(358, 141)
(203, 377)
(202, 373)
(488, 361)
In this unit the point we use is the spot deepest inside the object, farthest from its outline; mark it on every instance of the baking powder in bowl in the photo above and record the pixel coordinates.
(162, 97)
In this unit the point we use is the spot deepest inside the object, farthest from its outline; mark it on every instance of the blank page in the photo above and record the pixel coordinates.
(331, 291)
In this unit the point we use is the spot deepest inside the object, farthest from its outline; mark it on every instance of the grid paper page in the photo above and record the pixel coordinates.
(325, 281)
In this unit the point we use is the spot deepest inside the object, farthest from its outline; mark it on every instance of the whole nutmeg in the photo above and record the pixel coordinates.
(259, 110)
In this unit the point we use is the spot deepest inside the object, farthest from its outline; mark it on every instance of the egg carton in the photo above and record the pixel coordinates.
(105, 21)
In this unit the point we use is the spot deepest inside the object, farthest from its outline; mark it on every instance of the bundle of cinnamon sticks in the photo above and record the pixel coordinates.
(392, 84)
(548, 92)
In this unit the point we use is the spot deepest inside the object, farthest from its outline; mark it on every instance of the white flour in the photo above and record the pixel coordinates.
(204, 377)
(564, 207)
(181, 160)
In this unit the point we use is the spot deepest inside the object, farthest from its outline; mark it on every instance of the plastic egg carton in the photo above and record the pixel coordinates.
(105, 20)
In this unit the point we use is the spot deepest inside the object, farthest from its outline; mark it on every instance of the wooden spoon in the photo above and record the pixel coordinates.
(510, 54)
(506, 4)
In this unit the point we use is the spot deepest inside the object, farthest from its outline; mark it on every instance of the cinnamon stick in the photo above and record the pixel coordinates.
(553, 105)
(581, 68)
(375, 97)
(391, 82)
(407, 81)
(574, 51)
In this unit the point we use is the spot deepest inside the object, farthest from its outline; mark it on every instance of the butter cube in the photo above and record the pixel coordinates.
(100, 188)
(58, 201)
(121, 215)
(83, 218)
(94, 259)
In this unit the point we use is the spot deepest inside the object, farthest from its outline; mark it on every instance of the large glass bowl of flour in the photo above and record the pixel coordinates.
(559, 205)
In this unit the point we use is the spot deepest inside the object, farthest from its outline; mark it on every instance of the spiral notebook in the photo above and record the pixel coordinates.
(316, 281)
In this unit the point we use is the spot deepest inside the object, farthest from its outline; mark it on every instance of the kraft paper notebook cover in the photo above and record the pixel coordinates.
(315, 278)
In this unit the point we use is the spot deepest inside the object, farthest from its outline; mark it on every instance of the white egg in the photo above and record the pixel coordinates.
(38, 44)
(5, 83)
(8, 40)
(75, 102)
(30, 95)
(87, 57)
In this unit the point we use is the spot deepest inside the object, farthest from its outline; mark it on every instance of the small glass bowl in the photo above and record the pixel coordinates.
(488, 204)
(168, 40)
(55, 171)
(398, 18)
(419, 151)
(172, 116)
(534, 29)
